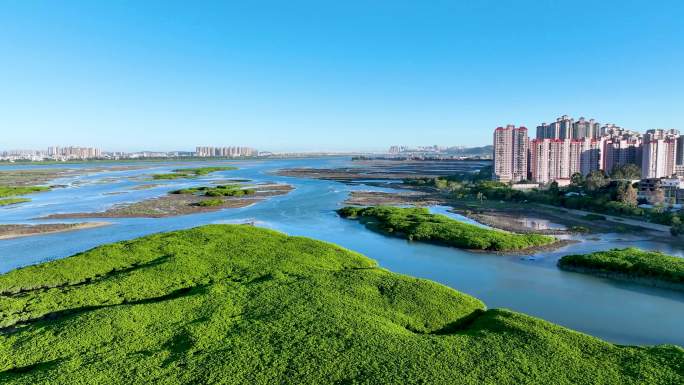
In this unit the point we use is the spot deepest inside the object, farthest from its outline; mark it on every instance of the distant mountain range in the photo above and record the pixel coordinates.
(471, 151)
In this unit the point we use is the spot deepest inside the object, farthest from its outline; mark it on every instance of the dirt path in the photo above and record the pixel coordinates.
(611, 218)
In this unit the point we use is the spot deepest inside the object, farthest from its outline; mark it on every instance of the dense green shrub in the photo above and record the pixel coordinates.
(11, 191)
(232, 190)
(13, 201)
(419, 225)
(181, 173)
(630, 261)
(234, 304)
(176, 175)
(203, 170)
(210, 203)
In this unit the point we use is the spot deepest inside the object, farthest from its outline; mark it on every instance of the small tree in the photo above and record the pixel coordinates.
(627, 194)
(577, 180)
(625, 171)
(596, 180)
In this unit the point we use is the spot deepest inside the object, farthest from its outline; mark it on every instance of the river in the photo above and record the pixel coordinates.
(615, 311)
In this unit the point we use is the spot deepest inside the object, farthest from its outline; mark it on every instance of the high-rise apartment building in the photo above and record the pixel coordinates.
(72, 152)
(659, 153)
(225, 152)
(557, 159)
(566, 127)
(549, 160)
(560, 129)
(619, 147)
(585, 155)
(511, 146)
(585, 129)
(566, 147)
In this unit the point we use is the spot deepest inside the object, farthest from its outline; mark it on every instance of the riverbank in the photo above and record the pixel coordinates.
(418, 224)
(18, 231)
(631, 264)
(171, 205)
(625, 277)
(238, 304)
(508, 216)
(42, 176)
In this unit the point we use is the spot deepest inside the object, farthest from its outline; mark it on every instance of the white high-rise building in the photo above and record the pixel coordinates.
(659, 153)
(511, 146)
(619, 147)
(549, 160)
(566, 127)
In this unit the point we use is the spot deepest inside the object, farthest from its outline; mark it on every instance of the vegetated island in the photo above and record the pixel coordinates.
(182, 173)
(651, 268)
(23, 230)
(187, 201)
(10, 195)
(236, 304)
(417, 224)
(14, 184)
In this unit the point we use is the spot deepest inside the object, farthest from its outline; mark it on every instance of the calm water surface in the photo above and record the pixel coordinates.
(615, 311)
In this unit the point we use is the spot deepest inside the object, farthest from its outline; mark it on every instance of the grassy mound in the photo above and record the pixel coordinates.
(242, 305)
(181, 173)
(631, 262)
(231, 190)
(204, 170)
(419, 225)
(13, 201)
(8, 194)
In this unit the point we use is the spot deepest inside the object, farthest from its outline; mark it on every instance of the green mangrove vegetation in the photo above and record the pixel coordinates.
(418, 224)
(170, 176)
(13, 201)
(9, 194)
(181, 173)
(232, 190)
(210, 202)
(629, 263)
(204, 170)
(235, 304)
(12, 191)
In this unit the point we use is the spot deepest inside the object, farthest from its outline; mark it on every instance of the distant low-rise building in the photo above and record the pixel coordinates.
(667, 191)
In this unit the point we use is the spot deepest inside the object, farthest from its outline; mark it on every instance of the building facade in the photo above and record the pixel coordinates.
(549, 160)
(566, 127)
(659, 153)
(225, 152)
(619, 147)
(511, 146)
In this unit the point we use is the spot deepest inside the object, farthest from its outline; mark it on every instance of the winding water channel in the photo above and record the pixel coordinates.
(615, 311)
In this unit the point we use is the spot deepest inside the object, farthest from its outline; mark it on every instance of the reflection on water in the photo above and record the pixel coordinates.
(616, 311)
(540, 224)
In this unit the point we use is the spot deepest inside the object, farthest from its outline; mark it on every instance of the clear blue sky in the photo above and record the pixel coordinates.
(330, 75)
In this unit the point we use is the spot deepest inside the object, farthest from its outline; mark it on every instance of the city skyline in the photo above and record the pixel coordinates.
(567, 147)
(352, 76)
